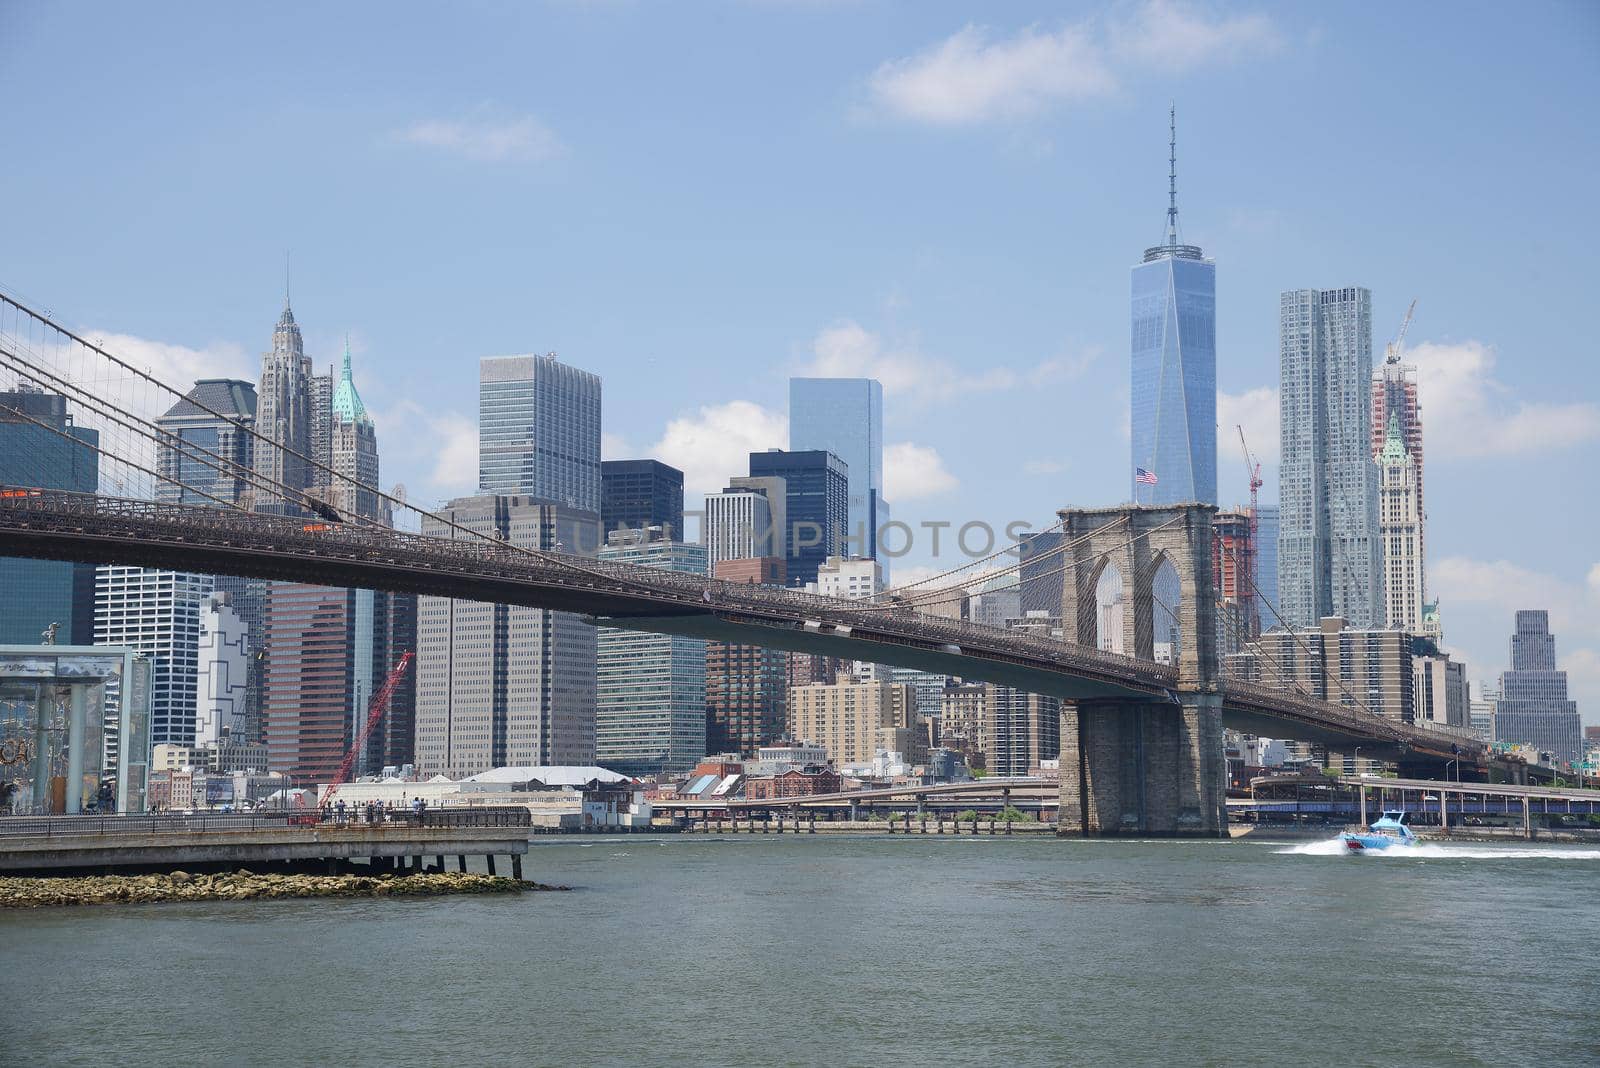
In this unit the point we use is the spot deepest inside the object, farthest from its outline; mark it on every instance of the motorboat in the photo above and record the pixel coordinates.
(1388, 831)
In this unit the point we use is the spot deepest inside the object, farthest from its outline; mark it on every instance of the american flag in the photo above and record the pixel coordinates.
(1147, 477)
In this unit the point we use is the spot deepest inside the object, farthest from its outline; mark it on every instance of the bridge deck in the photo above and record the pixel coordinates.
(86, 527)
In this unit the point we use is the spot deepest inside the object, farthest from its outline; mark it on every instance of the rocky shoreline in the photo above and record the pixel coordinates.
(24, 893)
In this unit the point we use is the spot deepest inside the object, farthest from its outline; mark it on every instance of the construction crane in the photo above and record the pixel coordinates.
(1391, 352)
(375, 711)
(1252, 469)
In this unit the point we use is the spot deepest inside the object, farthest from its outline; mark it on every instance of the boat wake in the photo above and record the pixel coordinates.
(1335, 847)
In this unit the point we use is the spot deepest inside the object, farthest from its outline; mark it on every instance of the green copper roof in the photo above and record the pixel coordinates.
(347, 406)
(1394, 447)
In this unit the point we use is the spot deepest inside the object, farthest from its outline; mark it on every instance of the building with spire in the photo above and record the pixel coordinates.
(353, 452)
(1174, 365)
(289, 416)
(1400, 532)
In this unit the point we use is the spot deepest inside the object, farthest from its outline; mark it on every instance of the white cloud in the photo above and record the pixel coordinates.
(968, 78)
(911, 471)
(1594, 580)
(714, 442)
(615, 447)
(1257, 411)
(178, 366)
(1467, 412)
(849, 350)
(973, 77)
(1176, 36)
(439, 446)
(486, 139)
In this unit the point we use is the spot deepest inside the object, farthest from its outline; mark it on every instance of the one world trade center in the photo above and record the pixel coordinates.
(1174, 395)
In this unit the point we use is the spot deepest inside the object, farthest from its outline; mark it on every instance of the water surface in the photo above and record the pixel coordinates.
(801, 950)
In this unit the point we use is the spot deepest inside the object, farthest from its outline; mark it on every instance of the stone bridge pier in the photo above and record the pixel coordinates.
(1151, 768)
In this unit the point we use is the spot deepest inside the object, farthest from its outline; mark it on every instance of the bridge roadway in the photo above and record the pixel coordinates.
(57, 525)
(45, 843)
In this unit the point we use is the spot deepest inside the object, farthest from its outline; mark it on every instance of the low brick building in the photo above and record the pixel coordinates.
(807, 782)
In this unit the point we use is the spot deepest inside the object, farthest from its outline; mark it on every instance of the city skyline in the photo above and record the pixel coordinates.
(890, 314)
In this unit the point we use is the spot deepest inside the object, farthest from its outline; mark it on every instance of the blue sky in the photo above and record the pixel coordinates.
(696, 201)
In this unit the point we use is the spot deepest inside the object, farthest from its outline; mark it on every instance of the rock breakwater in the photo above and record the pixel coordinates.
(16, 892)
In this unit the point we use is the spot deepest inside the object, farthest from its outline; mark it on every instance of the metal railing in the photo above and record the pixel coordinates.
(309, 820)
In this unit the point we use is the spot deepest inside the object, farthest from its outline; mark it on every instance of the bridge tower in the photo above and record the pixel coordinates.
(1152, 767)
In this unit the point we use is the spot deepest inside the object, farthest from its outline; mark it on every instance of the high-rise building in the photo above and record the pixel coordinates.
(1174, 367)
(353, 453)
(1040, 572)
(284, 416)
(539, 431)
(1329, 561)
(853, 720)
(844, 416)
(650, 689)
(998, 600)
(965, 720)
(157, 613)
(1369, 669)
(1267, 565)
(636, 494)
(1233, 564)
(816, 505)
(40, 446)
(1482, 711)
(746, 685)
(1533, 708)
(208, 457)
(852, 579)
(501, 685)
(1441, 689)
(739, 525)
(1400, 531)
(223, 666)
(1395, 399)
(1024, 729)
(328, 652)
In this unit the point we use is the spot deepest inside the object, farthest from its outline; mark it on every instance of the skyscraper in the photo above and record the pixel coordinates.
(157, 613)
(746, 685)
(1329, 561)
(1533, 708)
(637, 494)
(505, 685)
(1174, 367)
(844, 416)
(1400, 531)
(816, 506)
(212, 454)
(353, 453)
(742, 523)
(650, 689)
(539, 431)
(40, 446)
(284, 415)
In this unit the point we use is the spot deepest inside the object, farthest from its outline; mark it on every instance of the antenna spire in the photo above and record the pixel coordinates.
(286, 278)
(1172, 174)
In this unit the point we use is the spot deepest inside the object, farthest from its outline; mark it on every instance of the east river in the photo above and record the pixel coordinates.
(870, 951)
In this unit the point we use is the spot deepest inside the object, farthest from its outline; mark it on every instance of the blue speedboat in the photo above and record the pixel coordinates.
(1388, 831)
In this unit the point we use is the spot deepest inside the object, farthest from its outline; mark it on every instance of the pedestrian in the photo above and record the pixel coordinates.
(340, 807)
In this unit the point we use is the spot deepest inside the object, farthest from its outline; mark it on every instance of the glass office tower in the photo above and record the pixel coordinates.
(40, 446)
(844, 416)
(539, 430)
(1174, 370)
(816, 504)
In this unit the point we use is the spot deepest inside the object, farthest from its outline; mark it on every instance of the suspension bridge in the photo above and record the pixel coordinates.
(1141, 740)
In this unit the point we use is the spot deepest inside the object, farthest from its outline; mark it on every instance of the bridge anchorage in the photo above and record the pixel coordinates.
(1144, 766)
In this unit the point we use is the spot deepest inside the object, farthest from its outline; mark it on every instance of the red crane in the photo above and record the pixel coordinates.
(375, 711)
